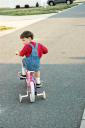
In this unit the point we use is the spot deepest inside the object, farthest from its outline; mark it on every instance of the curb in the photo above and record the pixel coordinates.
(82, 125)
(71, 8)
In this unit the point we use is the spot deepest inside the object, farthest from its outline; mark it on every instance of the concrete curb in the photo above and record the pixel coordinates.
(70, 8)
(83, 120)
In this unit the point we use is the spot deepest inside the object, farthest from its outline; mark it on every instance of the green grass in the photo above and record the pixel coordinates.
(2, 28)
(35, 11)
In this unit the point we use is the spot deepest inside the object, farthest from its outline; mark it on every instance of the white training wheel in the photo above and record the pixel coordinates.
(20, 98)
(44, 95)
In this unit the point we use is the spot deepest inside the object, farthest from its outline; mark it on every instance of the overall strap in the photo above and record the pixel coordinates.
(31, 45)
(34, 50)
(36, 46)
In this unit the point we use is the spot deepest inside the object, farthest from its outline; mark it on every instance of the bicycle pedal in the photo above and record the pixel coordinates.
(38, 85)
(22, 78)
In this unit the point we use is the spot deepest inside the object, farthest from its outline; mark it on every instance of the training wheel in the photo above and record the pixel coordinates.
(44, 95)
(20, 98)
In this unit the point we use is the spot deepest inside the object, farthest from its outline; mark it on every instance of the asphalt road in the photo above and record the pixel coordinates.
(62, 70)
(77, 12)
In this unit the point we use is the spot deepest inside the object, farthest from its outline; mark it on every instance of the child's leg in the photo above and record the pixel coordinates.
(23, 70)
(37, 76)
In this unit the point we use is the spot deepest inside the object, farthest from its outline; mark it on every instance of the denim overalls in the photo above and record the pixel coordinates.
(32, 63)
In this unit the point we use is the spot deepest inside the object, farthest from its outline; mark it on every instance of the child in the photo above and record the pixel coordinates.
(33, 52)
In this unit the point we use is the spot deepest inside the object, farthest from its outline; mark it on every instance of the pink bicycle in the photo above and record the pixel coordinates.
(32, 90)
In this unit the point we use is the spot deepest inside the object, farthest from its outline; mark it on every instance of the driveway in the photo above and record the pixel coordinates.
(18, 22)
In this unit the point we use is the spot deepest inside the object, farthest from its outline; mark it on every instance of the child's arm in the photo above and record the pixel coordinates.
(24, 51)
(17, 53)
(21, 53)
(44, 49)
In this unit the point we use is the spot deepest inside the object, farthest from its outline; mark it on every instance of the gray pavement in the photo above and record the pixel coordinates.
(63, 107)
(62, 70)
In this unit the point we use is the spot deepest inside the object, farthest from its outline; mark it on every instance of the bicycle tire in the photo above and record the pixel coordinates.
(32, 92)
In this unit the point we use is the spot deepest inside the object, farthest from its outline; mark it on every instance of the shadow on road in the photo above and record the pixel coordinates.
(63, 108)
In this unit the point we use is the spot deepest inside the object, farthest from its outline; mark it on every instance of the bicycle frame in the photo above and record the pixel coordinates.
(30, 84)
(32, 90)
(30, 77)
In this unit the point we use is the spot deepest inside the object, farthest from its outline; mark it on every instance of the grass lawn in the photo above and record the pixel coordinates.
(2, 28)
(35, 11)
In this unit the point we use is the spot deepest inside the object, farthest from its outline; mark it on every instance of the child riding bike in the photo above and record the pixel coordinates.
(32, 53)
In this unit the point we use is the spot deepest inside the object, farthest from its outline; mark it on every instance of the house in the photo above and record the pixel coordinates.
(22, 3)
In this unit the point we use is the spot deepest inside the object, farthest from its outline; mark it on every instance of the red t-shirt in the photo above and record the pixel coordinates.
(27, 49)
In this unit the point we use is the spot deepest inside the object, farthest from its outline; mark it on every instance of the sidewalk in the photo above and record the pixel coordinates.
(20, 21)
(79, 1)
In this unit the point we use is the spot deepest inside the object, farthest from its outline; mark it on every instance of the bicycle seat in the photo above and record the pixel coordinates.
(30, 71)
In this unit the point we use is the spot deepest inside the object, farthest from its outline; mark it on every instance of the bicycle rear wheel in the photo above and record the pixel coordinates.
(32, 92)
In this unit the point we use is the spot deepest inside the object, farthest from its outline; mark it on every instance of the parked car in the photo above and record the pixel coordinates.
(54, 2)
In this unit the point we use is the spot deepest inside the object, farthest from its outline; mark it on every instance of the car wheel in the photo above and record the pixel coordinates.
(51, 3)
(68, 2)
(26, 6)
(17, 6)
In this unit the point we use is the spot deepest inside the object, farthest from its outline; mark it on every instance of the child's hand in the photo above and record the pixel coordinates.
(17, 53)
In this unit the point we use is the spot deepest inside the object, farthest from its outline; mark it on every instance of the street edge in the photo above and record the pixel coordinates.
(82, 125)
(70, 8)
